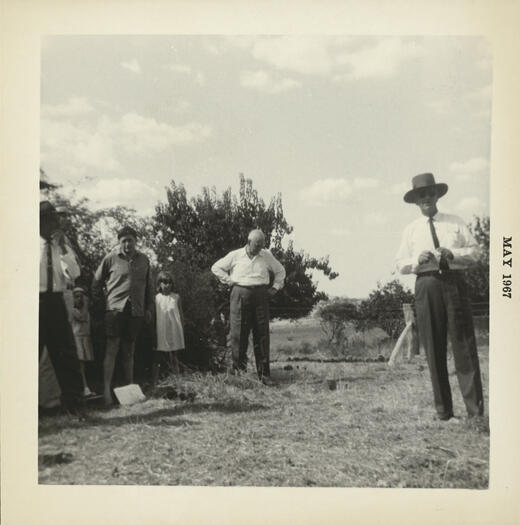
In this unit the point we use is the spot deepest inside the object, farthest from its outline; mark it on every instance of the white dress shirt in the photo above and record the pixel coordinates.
(237, 267)
(65, 268)
(453, 234)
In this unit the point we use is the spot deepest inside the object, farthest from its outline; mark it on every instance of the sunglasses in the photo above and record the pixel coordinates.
(430, 192)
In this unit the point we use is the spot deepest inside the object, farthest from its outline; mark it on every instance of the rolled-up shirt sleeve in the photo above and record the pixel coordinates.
(278, 270)
(222, 268)
(98, 282)
(69, 264)
(404, 262)
(469, 253)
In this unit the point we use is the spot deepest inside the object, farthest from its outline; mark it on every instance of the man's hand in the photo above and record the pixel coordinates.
(444, 253)
(148, 317)
(272, 292)
(425, 257)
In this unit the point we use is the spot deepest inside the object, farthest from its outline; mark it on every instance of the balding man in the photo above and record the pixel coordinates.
(247, 272)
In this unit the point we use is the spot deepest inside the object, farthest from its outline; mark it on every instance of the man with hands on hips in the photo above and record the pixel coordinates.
(246, 271)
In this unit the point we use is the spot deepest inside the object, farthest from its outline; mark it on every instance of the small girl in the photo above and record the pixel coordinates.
(169, 324)
(81, 331)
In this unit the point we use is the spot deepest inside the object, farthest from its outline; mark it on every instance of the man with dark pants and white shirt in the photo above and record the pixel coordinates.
(58, 266)
(246, 271)
(438, 247)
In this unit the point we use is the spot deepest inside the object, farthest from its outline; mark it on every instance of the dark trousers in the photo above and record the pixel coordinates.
(443, 308)
(249, 310)
(55, 332)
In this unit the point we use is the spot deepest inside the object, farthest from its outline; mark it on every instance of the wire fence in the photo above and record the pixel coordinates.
(478, 309)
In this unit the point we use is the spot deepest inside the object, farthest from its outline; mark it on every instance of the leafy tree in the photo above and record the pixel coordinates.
(93, 234)
(383, 307)
(477, 276)
(336, 316)
(299, 294)
(191, 234)
(206, 227)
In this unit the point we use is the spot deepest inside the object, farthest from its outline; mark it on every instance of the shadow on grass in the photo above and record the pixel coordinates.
(154, 418)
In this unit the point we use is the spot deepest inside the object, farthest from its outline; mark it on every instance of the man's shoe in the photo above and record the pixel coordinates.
(443, 417)
(267, 381)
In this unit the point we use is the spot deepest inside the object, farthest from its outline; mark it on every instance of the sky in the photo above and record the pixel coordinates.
(338, 125)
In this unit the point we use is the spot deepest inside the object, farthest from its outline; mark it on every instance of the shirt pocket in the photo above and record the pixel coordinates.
(453, 237)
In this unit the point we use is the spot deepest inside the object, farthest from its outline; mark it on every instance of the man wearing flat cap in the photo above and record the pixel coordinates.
(124, 276)
(58, 269)
(438, 248)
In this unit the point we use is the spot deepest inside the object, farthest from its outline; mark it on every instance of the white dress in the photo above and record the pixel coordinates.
(170, 335)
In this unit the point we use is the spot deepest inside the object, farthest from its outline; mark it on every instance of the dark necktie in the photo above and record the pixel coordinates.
(49, 266)
(443, 263)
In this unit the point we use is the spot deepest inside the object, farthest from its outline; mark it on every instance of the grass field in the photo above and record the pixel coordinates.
(375, 430)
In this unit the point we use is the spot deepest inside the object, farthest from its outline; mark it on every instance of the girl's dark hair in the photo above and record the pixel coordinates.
(162, 276)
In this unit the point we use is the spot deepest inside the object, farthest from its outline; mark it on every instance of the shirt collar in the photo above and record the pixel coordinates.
(435, 218)
(259, 254)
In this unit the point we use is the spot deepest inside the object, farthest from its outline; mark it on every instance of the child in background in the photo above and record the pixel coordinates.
(81, 331)
(169, 323)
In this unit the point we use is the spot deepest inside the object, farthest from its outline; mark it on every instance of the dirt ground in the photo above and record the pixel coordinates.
(376, 429)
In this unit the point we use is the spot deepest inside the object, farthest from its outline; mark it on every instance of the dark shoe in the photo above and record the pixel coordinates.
(267, 381)
(443, 417)
(452, 420)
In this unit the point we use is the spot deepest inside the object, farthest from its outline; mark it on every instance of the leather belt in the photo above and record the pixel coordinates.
(440, 273)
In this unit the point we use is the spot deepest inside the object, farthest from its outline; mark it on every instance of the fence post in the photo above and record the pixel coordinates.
(408, 337)
(412, 339)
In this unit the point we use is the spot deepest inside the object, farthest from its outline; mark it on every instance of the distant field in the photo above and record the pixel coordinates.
(375, 430)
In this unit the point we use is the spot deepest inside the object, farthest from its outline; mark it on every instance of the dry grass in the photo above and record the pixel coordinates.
(375, 430)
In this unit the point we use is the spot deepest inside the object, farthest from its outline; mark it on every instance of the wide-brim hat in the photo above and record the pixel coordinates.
(46, 209)
(424, 180)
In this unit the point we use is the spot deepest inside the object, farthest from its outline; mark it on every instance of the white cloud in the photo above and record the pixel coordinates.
(324, 191)
(440, 106)
(77, 148)
(380, 59)
(145, 135)
(266, 83)
(180, 68)
(132, 65)
(468, 169)
(345, 58)
(184, 69)
(375, 219)
(339, 232)
(74, 107)
(365, 183)
(306, 55)
(483, 94)
(470, 206)
(200, 78)
(74, 149)
(127, 192)
(400, 188)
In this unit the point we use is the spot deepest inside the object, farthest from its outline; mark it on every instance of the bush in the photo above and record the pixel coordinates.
(384, 308)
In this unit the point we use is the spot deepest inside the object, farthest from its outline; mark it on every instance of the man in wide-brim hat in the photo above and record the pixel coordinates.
(58, 268)
(438, 248)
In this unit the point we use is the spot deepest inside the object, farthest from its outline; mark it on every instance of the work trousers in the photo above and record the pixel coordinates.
(249, 310)
(55, 332)
(443, 308)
